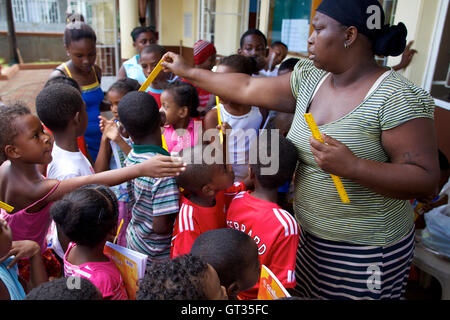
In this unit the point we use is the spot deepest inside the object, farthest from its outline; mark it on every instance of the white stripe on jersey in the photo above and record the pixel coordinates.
(286, 228)
(83, 273)
(180, 219)
(191, 222)
(291, 221)
(185, 217)
(240, 195)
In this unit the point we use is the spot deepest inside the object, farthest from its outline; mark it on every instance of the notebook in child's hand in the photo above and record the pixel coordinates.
(130, 263)
(270, 288)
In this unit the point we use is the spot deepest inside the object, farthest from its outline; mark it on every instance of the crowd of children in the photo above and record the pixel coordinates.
(205, 227)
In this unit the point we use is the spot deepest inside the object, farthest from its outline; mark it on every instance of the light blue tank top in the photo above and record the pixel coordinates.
(134, 70)
(10, 279)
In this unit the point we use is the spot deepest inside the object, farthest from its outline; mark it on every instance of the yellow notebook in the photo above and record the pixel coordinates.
(130, 263)
(270, 288)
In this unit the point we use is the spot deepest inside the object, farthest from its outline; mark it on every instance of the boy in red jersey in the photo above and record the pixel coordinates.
(256, 213)
(208, 191)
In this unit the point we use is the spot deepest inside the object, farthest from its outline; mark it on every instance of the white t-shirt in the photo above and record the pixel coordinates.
(67, 164)
(244, 130)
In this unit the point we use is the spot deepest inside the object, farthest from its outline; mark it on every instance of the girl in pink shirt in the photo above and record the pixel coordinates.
(88, 217)
(179, 102)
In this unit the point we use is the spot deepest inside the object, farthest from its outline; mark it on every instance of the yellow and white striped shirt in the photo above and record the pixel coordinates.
(370, 218)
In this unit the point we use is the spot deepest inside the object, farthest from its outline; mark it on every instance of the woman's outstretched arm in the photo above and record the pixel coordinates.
(272, 92)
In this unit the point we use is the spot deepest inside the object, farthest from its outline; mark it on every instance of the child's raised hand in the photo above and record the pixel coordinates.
(162, 166)
(21, 249)
(104, 122)
(111, 131)
(225, 126)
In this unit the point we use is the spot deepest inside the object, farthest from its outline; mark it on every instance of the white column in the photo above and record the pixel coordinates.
(129, 19)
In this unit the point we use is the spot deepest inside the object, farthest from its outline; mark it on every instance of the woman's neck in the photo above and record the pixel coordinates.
(355, 73)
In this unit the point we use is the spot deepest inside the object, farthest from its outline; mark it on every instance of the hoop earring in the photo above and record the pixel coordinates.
(345, 45)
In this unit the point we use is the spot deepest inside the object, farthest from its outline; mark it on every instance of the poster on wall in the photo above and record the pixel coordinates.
(295, 33)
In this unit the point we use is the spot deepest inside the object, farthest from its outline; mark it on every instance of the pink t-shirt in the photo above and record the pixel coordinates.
(177, 143)
(104, 275)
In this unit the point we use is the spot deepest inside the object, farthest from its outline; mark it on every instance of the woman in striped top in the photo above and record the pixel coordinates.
(379, 138)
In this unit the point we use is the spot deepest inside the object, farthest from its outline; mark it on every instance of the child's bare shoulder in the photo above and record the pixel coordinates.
(19, 191)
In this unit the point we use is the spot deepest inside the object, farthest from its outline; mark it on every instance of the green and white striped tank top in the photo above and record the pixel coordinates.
(370, 218)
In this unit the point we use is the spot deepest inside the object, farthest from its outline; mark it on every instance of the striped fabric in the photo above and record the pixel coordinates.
(370, 218)
(336, 270)
(150, 197)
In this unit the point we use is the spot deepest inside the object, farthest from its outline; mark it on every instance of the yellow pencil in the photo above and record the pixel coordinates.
(316, 134)
(219, 119)
(5, 206)
(151, 76)
(118, 230)
(163, 141)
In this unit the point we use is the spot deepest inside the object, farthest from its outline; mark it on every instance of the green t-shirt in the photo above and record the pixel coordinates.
(370, 218)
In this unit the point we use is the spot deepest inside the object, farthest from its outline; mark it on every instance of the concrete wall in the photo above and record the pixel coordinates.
(35, 47)
(420, 17)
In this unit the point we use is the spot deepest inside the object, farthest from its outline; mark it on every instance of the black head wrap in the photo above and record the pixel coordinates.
(368, 17)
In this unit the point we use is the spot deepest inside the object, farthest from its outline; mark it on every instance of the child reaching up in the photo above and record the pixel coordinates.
(257, 213)
(179, 103)
(88, 216)
(149, 58)
(244, 120)
(186, 277)
(154, 201)
(24, 144)
(115, 146)
(208, 189)
(233, 254)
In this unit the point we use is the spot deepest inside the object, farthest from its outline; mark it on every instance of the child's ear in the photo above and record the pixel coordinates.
(184, 112)
(239, 51)
(12, 152)
(207, 190)
(233, 290)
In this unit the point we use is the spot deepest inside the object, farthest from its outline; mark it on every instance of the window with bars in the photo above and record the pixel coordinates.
(36, 11)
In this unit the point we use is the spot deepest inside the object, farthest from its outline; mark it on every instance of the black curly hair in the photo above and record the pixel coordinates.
(69, 288)
(63, 79)
(87, 214)
(57, 104)
(185, 94)
(8, 129)
(125, 85)
(178, 279)
(286, 155)
(241, 64)
(228, 251)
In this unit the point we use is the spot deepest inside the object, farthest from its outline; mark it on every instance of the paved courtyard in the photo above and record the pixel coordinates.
(24, 86)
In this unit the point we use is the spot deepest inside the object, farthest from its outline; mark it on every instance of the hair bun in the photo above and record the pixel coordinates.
(391, 40)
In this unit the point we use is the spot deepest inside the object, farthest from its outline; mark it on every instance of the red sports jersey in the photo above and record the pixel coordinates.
(193, 219)
(275, 232)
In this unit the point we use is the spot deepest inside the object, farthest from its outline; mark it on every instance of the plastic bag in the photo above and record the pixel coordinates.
(436, 234)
